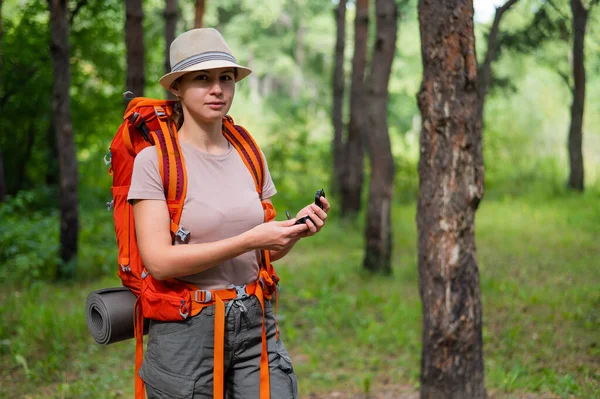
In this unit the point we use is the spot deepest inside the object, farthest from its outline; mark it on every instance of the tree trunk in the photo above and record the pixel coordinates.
(297, 80)
(338, 96)
(200, 10)
(170, 27)
(450, 189)
(134, 42)
(52, 165)
(354, 171)
(485, 70)
(378, 232)
(2, 178)
(580, 17)
(69, 219)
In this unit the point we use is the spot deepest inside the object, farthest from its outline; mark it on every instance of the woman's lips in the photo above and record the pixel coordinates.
(216, 105)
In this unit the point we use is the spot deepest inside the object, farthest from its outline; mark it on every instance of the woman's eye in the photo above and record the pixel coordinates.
(227, 77)
(201, 77)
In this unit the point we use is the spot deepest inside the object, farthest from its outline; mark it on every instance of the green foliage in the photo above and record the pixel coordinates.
(29, 239)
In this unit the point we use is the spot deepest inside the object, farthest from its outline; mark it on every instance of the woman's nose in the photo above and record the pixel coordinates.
(215, 87)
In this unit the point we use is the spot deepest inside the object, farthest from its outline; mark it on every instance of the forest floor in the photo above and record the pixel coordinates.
(349, 333)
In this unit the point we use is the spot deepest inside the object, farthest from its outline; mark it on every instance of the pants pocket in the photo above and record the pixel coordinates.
(284, 385)
(160, 384)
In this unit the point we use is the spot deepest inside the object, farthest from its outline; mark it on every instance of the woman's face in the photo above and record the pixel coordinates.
(207, 95)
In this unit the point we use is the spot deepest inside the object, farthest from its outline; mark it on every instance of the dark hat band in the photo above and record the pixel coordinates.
(203, 57)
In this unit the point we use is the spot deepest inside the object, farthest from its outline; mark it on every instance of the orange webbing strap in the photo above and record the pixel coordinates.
(268, 267)
(138, 331)
(248, 150)
(219, 363)
(269, 211)
(159, 152)
(218, 298)
(171, 159)
(265, 383)
(175, 181)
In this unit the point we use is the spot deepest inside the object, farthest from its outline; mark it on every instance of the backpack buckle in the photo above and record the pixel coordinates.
(160, 112)
(182, 236)
(202, 296)
(240, 290)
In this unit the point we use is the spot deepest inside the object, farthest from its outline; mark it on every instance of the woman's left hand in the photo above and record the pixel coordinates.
(317, 216)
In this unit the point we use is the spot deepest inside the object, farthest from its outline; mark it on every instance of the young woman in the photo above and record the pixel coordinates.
(224, 213)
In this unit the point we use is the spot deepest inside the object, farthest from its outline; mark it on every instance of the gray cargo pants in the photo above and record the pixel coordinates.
(179, 357)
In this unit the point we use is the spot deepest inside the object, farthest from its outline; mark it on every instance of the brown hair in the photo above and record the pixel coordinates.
(177, 115)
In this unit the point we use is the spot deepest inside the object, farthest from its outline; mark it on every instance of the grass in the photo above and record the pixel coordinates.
(351, 332)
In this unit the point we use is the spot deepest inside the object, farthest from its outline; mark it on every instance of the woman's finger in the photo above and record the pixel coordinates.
(318, 222)
(325, 203)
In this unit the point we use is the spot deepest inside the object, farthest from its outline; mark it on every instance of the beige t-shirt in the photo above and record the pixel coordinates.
(221, 202)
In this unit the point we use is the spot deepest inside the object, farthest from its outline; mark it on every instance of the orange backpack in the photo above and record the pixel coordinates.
(149, 122)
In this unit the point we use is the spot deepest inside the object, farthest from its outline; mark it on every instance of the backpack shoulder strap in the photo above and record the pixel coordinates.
(248, 150)
(172, 169)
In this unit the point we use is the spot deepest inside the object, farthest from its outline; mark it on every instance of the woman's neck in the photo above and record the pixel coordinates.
(206, 136)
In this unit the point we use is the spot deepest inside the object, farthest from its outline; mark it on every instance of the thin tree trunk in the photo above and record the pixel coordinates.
(299, 58)
(338, 96)
(200, 10)
(450, 189)
(52, 164)
(170, 27)
(134, 42)
(485, 70)
(69, 218)
(2, 177)
(354, 171)
(576, 176)
(378, 232)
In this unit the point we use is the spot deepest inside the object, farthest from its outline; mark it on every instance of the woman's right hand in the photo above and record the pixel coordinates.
(276, 235)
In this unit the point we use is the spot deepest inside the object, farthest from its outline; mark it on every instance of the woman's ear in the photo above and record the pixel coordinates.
(175, 88)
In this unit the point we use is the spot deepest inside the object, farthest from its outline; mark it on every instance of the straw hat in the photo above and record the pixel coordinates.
(200, 49)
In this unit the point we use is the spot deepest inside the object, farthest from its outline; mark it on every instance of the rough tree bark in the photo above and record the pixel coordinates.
(200, 10)
(353, 169)
(170, 27)
(450, 189)
(69, 218)
(378, 232)
(134, 42)
(338, 96)
(485, 70)
(576, 176)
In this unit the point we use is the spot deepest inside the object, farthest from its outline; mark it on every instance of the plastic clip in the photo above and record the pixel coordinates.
(109, 205)
(202, 296)
(183, 310)
(108, 158)
(182, 236)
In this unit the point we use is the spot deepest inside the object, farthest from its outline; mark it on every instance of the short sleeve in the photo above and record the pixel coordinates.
(268, 189)
(145, 180)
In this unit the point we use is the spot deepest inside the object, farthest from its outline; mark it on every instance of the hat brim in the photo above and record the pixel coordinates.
(167, 80)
